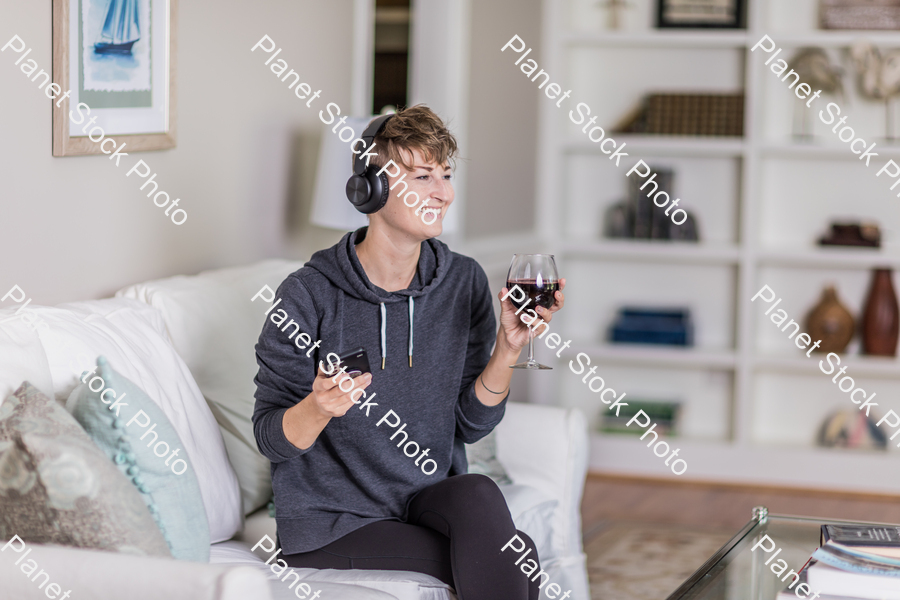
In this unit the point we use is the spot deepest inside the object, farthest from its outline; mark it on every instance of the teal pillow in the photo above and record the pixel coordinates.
(170, 491)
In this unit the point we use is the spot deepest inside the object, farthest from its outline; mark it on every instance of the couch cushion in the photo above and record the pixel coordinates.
(133, 337)
(158, 466)
(237, 554)
(214, 326)
(404, 585)
(531, 509)
(57, 487)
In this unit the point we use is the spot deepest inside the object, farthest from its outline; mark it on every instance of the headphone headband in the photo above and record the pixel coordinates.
(368, 136)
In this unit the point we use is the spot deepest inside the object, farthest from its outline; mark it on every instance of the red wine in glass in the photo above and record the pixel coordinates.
(536, 277)
(537, 293)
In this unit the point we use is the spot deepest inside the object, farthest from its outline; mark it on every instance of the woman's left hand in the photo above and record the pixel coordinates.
(511, 324)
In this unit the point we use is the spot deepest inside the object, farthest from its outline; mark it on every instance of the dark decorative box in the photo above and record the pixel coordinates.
(687, 114)
(852, 234)
(653, 326)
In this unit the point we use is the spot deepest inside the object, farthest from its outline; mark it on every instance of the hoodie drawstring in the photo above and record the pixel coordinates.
(384, 332)
(383, 335)
(411, 307)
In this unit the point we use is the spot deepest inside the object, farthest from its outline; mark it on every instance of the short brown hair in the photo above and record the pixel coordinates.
(414, 128)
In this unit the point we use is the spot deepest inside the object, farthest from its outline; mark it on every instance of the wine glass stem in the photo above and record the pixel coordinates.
(530, 347)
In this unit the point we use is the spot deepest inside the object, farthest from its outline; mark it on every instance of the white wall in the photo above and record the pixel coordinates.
(76, 228)
(439, 77)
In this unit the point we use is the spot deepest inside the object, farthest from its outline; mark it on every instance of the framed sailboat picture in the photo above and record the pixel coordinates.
(117, 60)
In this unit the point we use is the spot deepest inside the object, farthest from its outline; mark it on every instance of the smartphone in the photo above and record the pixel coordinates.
(356, 361)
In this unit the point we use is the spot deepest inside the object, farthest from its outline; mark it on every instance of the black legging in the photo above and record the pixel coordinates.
(454, 532)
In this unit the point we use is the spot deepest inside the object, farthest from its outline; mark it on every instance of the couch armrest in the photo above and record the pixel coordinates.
(112, 576)
(547, 447)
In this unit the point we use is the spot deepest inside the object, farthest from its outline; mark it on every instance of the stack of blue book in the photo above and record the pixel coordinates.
(653, 326)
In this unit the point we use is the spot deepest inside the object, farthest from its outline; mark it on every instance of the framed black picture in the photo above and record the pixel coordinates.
(685, 14)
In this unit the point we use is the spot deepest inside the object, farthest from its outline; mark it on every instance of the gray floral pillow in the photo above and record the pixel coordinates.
(57, 487)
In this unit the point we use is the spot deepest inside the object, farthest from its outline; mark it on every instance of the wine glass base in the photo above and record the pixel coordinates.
(533, 366)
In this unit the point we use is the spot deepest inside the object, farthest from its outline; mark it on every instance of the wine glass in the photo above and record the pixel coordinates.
(536, 276)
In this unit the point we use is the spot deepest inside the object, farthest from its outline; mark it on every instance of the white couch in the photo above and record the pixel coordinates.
(188, 342)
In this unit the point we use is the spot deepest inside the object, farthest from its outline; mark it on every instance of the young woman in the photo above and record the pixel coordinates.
(373, 475)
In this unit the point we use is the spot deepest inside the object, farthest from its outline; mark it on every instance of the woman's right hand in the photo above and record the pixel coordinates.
(304, 422)
(330, 400)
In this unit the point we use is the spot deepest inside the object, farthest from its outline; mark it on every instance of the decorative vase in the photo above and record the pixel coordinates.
(830, 322)
(881, 319)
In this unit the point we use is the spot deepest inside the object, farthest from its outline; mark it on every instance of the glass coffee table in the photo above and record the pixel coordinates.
(736, 573)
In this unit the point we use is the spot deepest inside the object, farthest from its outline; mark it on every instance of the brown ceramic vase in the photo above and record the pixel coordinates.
(881, 319)
(830, 322)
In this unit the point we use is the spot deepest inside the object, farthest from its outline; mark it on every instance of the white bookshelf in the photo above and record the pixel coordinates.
(666, 146)
(657, 39)
(679, 252)
(663, 356)
(752, 402)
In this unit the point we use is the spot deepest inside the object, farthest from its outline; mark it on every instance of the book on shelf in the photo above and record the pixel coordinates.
(653, 326)
(664, 414)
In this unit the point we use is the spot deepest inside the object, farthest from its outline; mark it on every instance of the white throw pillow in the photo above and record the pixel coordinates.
(215, 326)
(132, 336)
(22, 356)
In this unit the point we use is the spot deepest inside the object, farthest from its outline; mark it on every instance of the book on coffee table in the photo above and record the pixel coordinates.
(854, 561)
(790, 591)
(870, 539)
(865, 586)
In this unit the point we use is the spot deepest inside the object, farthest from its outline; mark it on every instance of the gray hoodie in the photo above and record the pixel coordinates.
(355, 474)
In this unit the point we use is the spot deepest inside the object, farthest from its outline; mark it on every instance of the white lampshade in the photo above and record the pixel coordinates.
(331, 208)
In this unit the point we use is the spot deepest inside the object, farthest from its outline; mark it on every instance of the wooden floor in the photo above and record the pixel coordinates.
(609, 499)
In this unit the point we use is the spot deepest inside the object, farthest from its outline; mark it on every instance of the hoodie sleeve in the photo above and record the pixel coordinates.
(474, 420)
(285, 373)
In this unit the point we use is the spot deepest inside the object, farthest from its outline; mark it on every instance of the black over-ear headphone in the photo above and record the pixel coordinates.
(366, 190)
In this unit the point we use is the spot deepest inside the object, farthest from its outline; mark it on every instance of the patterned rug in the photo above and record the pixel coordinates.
(646, 562)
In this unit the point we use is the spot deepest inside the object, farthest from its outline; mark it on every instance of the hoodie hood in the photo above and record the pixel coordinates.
(340, 265)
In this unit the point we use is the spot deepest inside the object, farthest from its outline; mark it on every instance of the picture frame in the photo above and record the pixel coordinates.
(690, 14)
(117, 57)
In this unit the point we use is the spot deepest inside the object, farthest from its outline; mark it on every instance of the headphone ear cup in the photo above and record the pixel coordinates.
(359, 191)
(379, 191)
